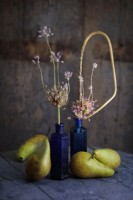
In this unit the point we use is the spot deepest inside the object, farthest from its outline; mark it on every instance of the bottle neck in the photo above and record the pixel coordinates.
(78, 123)
(59, 128)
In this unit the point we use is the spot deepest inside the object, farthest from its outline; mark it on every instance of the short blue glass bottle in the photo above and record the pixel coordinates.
(78, 137)
(59, 144)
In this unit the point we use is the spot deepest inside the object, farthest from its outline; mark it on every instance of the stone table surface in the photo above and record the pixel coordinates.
(15, 186)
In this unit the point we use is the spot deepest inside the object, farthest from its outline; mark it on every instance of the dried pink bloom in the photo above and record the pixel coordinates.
(56, 57)
(83, 109)
(68, 75)
(36, 59)
(45, 32)
(95, 65)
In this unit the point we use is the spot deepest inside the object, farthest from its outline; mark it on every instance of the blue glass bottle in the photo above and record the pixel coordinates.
(59, 153)
(78, 137)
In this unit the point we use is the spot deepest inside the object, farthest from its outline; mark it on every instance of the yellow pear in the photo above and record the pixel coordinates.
(108, 157)
(82, 165)
(38, 165)
(29, 146)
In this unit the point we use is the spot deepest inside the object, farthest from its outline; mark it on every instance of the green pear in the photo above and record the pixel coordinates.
(29, 146)
(83, 165)
(38, 165)
(108, 157)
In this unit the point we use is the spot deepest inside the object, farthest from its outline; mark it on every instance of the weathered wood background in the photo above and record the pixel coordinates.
(24, 109)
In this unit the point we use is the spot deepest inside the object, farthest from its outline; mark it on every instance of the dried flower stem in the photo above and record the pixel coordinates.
(52, 61)
(91, 85)
(82, 89)
(41, 75)
(112, 64)
(58, 74)
(58, 113)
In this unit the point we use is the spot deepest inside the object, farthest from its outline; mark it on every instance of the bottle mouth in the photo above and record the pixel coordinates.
(59, 128)
(78, 122)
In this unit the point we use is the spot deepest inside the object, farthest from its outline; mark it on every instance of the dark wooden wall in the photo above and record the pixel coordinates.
(24, 109)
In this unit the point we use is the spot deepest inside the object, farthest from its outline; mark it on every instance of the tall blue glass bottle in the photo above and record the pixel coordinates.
(59, 153)
(78, 137)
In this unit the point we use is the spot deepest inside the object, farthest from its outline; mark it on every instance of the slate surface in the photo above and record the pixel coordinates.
(15, 186)
(24, 108)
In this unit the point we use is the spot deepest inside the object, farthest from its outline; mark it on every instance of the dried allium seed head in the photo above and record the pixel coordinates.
(83, 109)
(58, 96)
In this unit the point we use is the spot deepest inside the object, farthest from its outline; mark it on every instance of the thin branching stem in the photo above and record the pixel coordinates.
(91, 85)
(41, 75)
(52, 61)
(58, 77)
